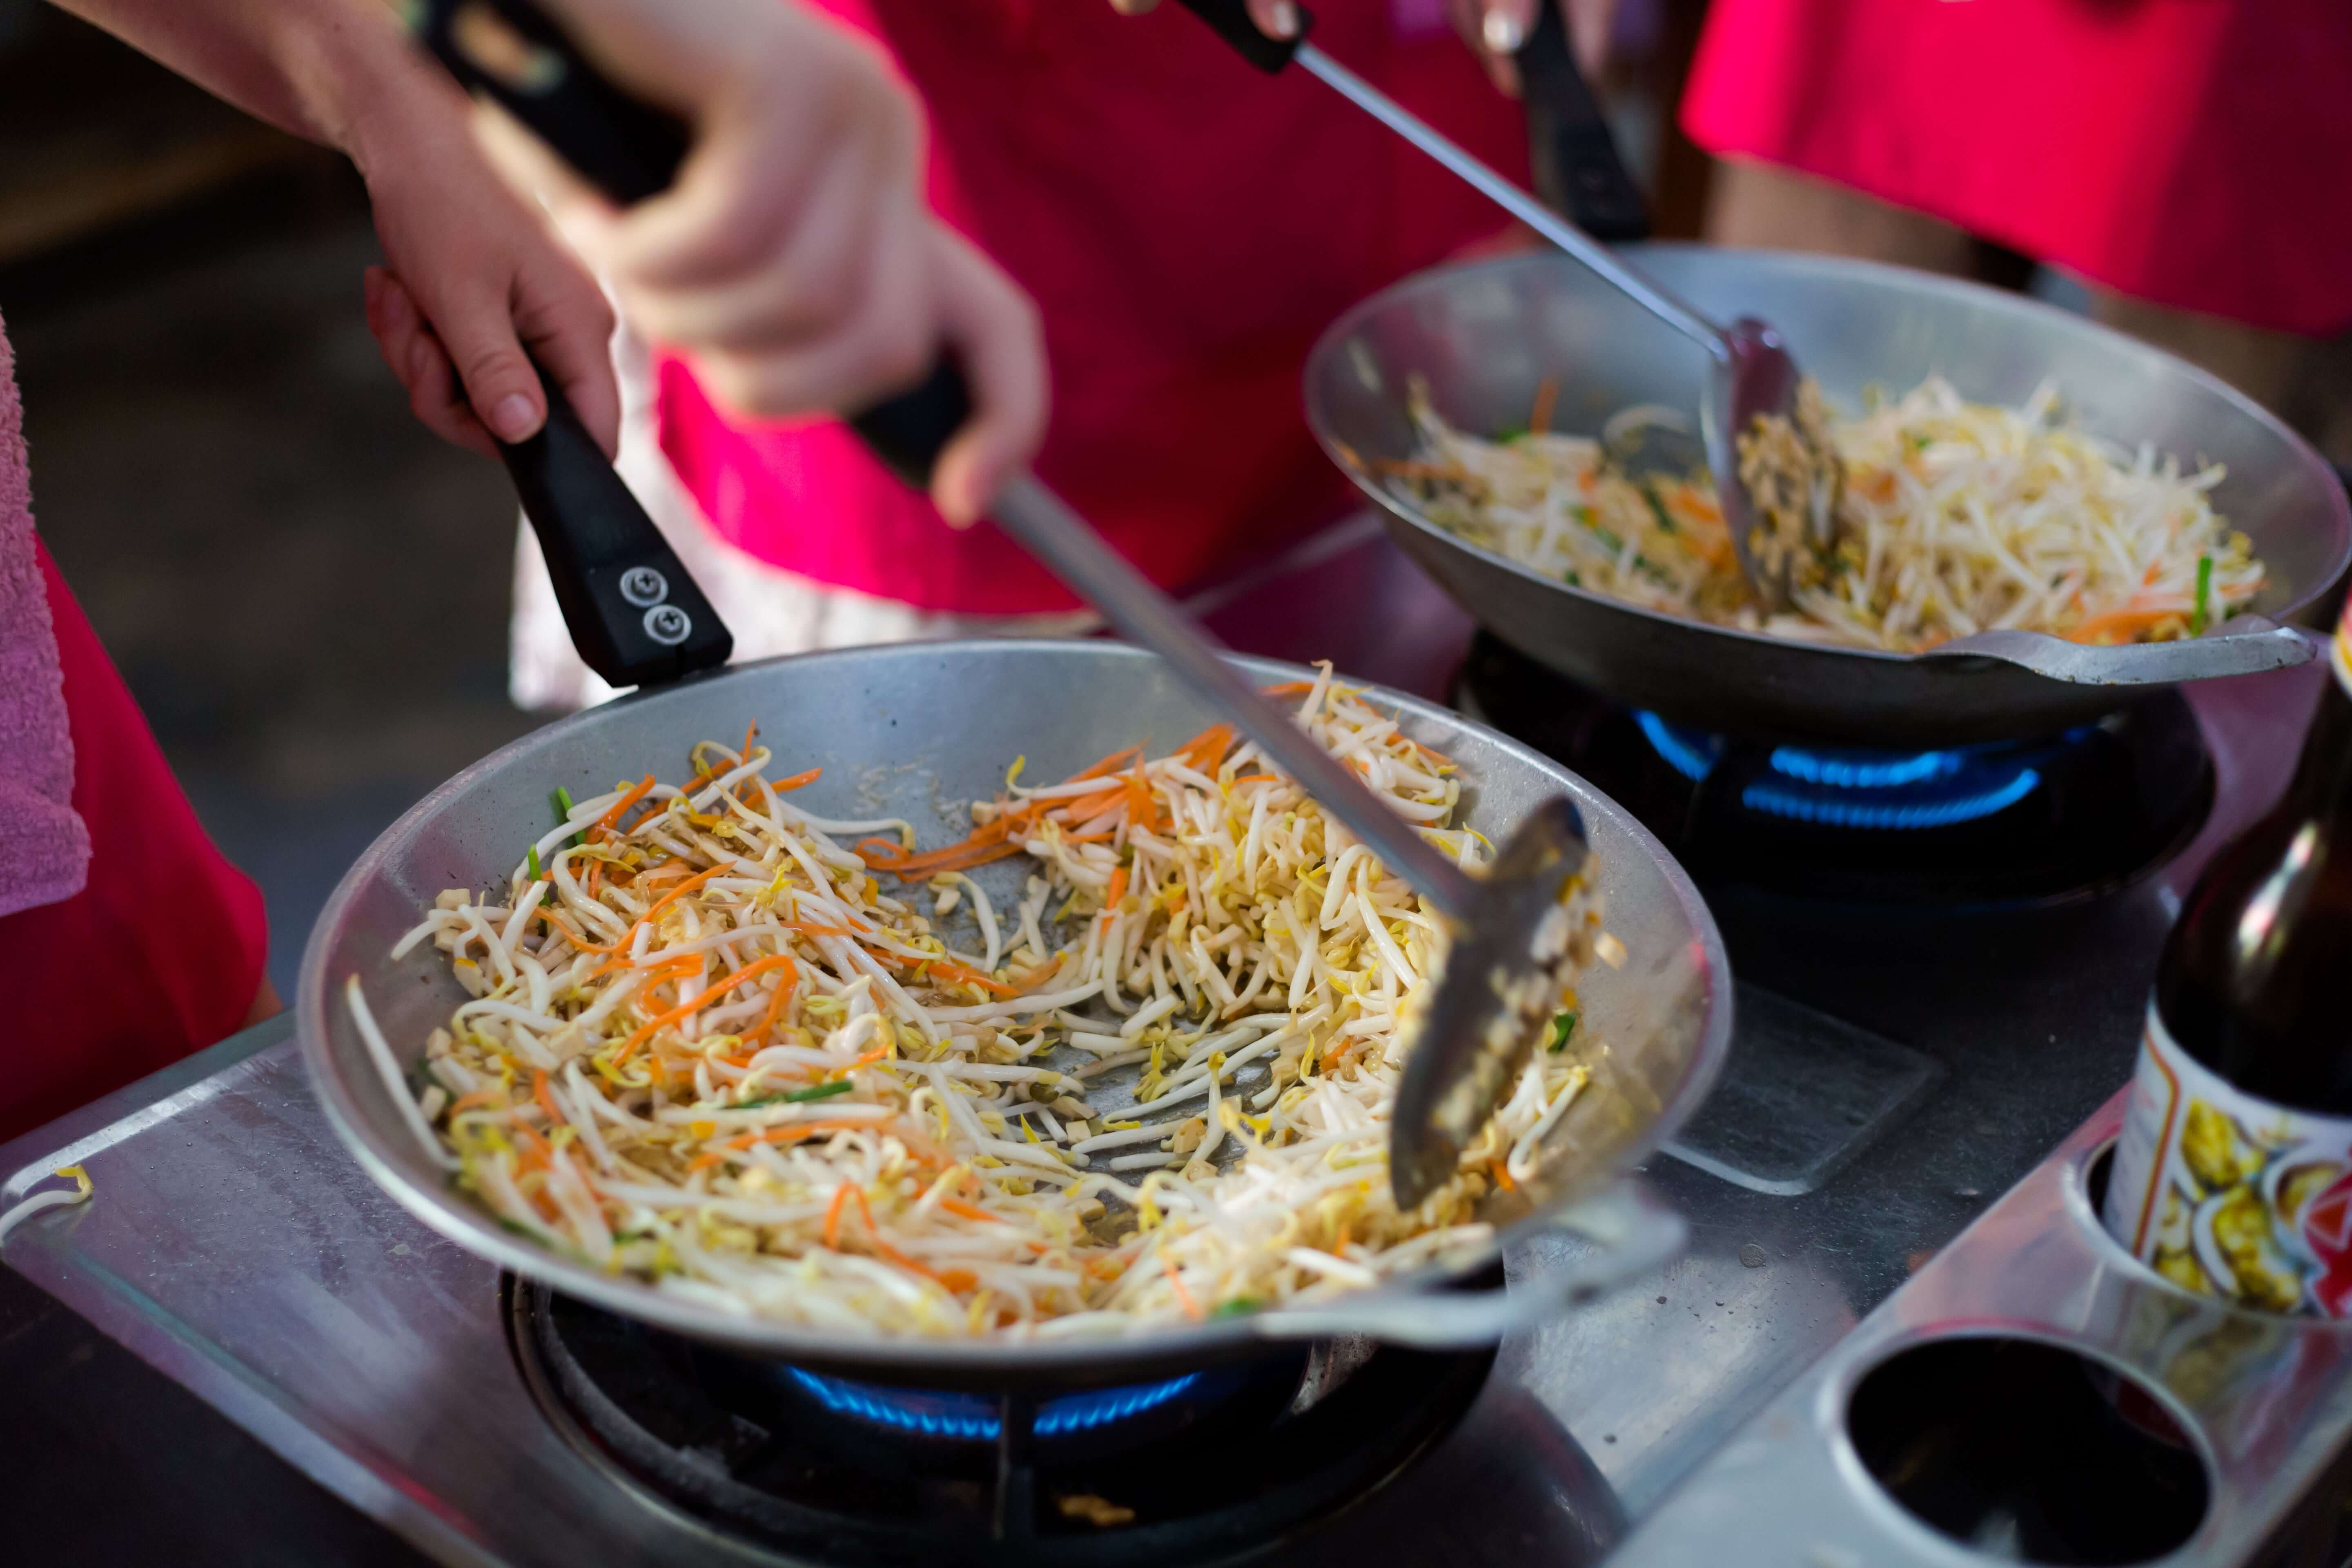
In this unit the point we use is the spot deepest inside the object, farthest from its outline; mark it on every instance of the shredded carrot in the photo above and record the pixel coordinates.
(580, 941)
(1117, 888)
(1503, 1178)
(797, 780)
(704, 1162)
(833, 1214)
(1142, 811)
(611, 818)
(969, 1211)
(1547, 393)
(793, 1131)
(546, 1100)
(1201, 752)
(666, 899)
(953, 972)
(480, 1097)
(957, 1279)
(1116, 762)
(1086, 808)
(2124, 623)
(1287, 688)
(776, 1004)
(1183, 1297)
(872, 1232)
(1258, 778)
(661, 1021)
(1029, 979)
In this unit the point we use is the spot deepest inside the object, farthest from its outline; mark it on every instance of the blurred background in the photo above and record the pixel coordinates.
(227, 474)
(231, 482)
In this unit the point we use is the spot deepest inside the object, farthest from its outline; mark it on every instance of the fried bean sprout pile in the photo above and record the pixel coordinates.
(1954, 518)
(705, 1047)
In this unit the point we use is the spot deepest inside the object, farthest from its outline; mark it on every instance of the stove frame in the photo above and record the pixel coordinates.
(235, 1246)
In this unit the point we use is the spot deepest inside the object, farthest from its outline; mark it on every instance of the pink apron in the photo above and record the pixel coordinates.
(1187, 225)
(2192, 153)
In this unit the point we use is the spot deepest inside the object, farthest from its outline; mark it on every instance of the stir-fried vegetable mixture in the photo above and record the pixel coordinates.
(1954, 518)
(705, 1047)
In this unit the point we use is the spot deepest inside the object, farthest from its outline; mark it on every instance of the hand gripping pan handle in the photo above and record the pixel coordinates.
(634, 613)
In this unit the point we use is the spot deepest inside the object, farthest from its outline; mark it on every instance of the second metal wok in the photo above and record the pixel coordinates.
(918, 731)
(1486, 335)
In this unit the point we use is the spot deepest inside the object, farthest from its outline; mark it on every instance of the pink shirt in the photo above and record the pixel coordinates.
(2193, 153)
(1186, 224)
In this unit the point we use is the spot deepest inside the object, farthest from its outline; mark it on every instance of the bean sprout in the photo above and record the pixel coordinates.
(750, 1077)
(1954, 518)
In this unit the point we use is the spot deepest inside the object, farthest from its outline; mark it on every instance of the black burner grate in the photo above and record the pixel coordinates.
(1222, 1462)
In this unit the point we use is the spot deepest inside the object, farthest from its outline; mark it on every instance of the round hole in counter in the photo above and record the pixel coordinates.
(2027, 1451)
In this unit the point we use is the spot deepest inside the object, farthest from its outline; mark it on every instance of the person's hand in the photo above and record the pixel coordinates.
(793, 261)
(1275, 18)
(475, 278)
(1496, 28)
(1493, 29)
(475, 287)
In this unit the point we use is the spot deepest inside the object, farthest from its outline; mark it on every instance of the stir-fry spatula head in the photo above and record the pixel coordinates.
(1775, 471)
(1507, 972)
(1767, 429)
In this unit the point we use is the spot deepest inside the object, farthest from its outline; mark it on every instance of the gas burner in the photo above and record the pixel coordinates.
(1220, 1462)
(2007, 825)
(970, 1417)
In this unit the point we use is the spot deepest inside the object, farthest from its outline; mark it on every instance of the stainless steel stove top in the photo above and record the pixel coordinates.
(1888, 1087)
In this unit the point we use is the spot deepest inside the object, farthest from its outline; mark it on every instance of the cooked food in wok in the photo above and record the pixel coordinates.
(706, 1044)
(1954, 518)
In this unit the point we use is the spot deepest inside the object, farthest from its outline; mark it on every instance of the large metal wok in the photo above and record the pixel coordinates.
(918, 731)
(1486, 335)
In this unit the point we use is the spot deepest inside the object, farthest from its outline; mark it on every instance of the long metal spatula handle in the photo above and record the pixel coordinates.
(1073, 552)
(632, 152)
(1230, 19)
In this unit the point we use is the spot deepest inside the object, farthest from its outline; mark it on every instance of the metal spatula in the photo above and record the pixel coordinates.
(1502, 982)
(1778, 483)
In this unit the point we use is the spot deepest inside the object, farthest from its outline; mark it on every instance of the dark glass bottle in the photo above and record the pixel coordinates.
(2234, 1172)
(2254, 978)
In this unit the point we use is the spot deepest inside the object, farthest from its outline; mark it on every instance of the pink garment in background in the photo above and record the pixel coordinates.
(1187, 228)
(44, 845)
(2191, 154)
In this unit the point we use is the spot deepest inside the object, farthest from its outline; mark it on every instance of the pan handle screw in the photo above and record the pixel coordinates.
(668, 626)
(645, 587)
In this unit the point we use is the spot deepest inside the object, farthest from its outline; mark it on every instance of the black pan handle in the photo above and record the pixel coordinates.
(635, 613)
(1570, 153)
(1230, 20)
